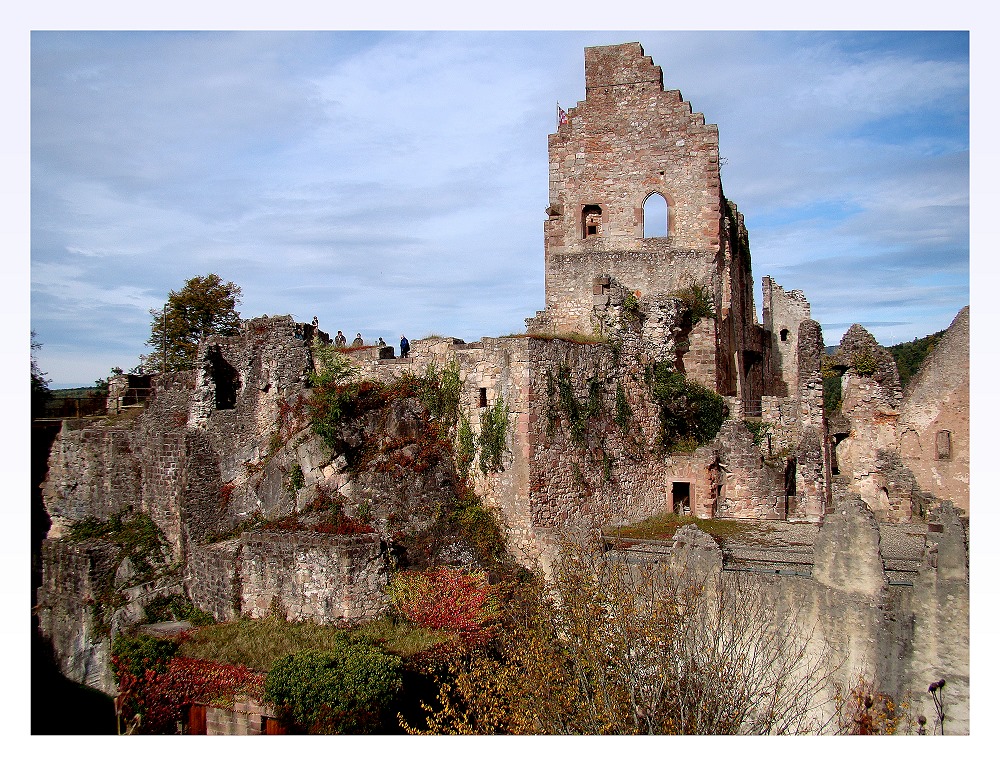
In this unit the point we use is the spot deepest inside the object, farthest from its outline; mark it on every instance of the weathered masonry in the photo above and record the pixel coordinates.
(647, 274)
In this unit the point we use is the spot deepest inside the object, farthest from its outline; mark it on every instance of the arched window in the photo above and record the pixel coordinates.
(654, 216)
(784, 335)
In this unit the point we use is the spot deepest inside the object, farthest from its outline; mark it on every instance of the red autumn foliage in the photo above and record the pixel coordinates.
(447, 599)
(160, 698)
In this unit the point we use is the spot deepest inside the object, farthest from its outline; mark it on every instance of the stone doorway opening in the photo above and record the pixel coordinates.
(680, 497)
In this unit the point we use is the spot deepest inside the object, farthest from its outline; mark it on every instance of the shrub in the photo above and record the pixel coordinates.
(176, 607)
(698, 303)
(137, 654)
(156, 698)
(445, 599)
(864, 362)
(690, 414)
(340, 691)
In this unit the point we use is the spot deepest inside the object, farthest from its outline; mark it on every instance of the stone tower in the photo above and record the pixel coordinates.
(635, 195)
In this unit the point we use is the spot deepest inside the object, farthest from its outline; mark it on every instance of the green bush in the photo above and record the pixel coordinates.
(690, 413)
(341, 691)
(138, 653)
(832, 394)
(865, 362)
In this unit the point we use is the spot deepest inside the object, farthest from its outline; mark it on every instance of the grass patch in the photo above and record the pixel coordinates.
(259, 643)
(663, 527)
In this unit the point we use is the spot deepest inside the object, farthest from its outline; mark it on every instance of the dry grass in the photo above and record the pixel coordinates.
(258, 643)
(663, 527)
(572, 337)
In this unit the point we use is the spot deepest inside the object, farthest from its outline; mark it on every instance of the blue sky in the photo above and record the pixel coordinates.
(396, 182)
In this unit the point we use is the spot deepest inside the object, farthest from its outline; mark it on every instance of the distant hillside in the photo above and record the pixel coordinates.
(73, 393)
(909, 356)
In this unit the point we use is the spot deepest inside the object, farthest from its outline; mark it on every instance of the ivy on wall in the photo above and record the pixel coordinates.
(493, 436)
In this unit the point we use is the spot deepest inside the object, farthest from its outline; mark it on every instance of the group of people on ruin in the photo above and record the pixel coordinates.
(340, 341)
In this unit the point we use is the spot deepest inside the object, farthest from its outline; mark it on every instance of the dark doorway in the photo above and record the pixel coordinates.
(790, 499)
(680, 497)
(225, 377)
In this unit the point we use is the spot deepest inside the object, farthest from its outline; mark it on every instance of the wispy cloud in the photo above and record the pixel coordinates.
(396, 182)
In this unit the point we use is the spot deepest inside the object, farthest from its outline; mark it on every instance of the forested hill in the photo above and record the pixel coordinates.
(910, 355)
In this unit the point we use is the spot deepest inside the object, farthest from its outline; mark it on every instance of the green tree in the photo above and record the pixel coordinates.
(204, 306)
(40, 393)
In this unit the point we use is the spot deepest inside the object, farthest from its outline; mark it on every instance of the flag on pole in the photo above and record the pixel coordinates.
(561, 114)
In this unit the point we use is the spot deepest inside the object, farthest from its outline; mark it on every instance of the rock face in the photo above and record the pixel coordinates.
(207, 465)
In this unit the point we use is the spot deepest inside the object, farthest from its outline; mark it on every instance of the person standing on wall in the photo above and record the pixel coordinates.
(404, 347)
(340, 340)
(359, 341)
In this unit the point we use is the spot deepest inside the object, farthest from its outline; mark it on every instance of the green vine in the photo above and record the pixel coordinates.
(690, 413)
(296, 479)
(465, 447)
(577, 413)
(759, 430)
(493, 437)
(624, 415)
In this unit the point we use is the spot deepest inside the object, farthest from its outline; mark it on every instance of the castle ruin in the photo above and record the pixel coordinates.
(647, 269)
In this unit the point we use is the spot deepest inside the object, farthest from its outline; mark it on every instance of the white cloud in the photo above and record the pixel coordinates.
(398, 180)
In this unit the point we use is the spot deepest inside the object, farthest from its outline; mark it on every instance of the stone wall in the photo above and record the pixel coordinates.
(247, 717)
(313, 577)
(213, 579)
(858, 621)
(933, 425)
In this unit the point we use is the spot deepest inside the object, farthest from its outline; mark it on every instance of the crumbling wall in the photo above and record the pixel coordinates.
(871, 397)
(856, 621)
(812, 453)
(933, 424)
(314, 577)
(783, 312)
